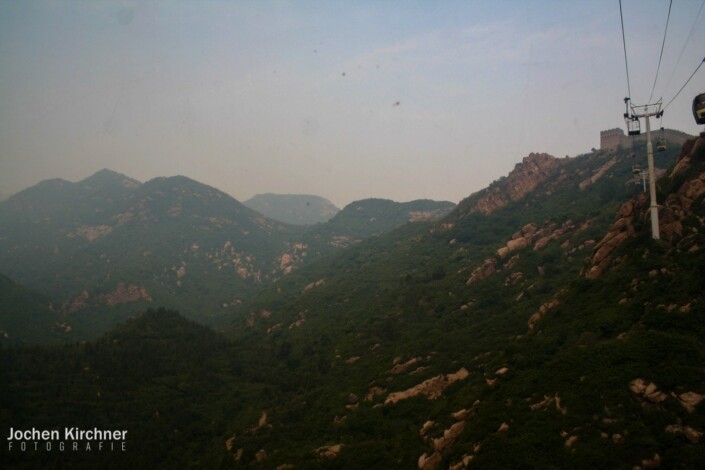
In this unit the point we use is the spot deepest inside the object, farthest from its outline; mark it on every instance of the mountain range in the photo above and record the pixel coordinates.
(110, 246)
(535, 325)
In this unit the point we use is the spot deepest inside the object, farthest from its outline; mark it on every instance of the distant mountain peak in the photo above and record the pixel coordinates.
(186, 185)
(297, 209)
(109, 178)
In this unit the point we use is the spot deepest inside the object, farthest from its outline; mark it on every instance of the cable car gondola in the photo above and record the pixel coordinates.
(633, 126)
(661, 142)
(699, 108)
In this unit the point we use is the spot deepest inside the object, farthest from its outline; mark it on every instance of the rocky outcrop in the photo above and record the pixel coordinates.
(679, 204)
(622, 229)
(426, 216)
(449, 436)
(374, 392)
(524, 178)
(299, 321)
(290, 259)
(352, 360)
(261, 455)
(531, 234)
(77, 303)
(123, 293)
(689, 400)
(230, 443)
(91, 233)
(314, 284)
(647, 391)
(686, 186)
(400, 368)
(488, 268)
(692, 434)
(262, 420)
(431, 460)
(431, 388)
(543, 309)
(328, 452)
(548, 401)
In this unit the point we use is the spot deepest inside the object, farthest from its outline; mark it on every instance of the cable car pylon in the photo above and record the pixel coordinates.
(646, 111)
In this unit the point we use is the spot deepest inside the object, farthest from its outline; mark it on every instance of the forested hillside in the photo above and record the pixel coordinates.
(108, 247)
(536, 330)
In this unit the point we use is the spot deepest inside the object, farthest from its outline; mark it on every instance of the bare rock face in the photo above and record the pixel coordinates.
(400, 368)
(426, 428)
(91, 233)
(121, 294)
(374, 392)
(314, 284)
(678, 206)
(431, 388)
(690, 400)
(672, 211)
(125, 293)
(230, 443)
(329, 452)
(692, 434)
(539, 237)
(529, 235)
(622, 229)
(652, 463)
(524, 178)
(444, 442)
(430, 462)
(647, 390)
(487, 269)
(543, 309)
(449, 436)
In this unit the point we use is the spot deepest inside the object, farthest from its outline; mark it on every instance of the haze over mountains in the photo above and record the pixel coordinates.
(113, 244)
(535, 325)
(298, 209)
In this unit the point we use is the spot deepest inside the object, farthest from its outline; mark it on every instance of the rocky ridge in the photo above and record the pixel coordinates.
(685, 184)
(524, 178)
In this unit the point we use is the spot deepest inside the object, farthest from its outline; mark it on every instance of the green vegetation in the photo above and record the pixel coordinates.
(108, 247)
(562, 371)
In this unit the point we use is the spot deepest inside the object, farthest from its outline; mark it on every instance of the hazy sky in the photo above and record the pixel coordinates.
(344, 99)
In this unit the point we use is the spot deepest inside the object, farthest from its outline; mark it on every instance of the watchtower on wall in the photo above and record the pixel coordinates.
(611, 139)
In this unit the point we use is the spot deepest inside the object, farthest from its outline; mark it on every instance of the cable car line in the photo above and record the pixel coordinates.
(661, 55)
(680, 56)
(686, 82)
(624, 42)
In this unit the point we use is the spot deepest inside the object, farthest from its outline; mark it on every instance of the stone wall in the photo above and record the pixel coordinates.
(612, 139)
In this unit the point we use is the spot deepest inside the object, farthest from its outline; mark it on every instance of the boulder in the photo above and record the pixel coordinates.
(518, 244)
(690, 400)
(449, 436)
